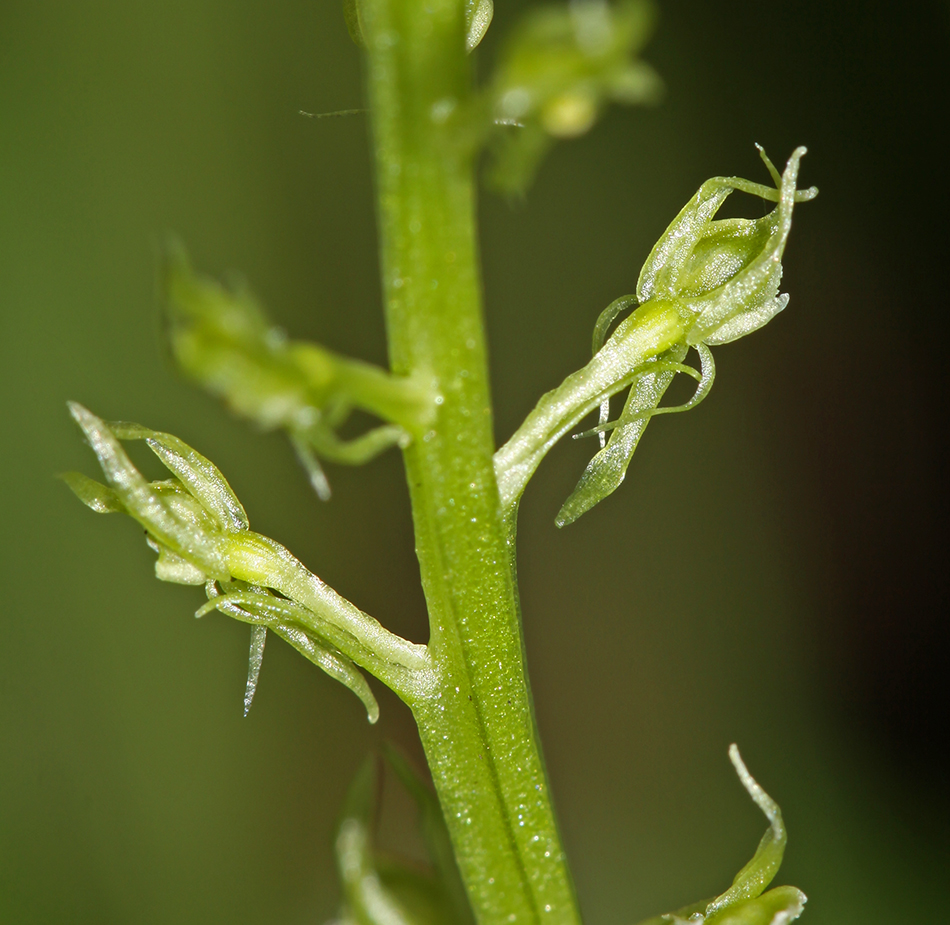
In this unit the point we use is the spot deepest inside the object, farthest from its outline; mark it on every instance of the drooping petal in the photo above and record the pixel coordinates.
(606, 471)
(254, 662)
(760, 871)
(285, 618)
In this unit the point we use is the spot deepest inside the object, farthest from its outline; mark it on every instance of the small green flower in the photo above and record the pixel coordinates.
(192, 520)
(721, 278)
(561, 66)
(200, 531)
(222, 339)
(706, 282)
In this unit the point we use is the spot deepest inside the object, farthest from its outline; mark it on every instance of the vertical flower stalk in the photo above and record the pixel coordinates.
(478, 729)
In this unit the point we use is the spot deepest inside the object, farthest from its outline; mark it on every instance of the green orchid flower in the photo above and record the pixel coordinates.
(222, 339)
(559, 69)
(707, 282)
(201, 533)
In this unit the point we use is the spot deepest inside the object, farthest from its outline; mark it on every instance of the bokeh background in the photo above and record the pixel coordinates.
(773, 572)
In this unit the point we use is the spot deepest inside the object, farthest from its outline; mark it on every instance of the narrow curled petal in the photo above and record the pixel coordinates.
(604, 322)
(761, 870)
(353, 452)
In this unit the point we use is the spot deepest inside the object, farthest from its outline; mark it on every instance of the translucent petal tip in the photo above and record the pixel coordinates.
(768, 806)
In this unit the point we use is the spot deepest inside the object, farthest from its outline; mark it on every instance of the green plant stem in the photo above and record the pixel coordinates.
(637, 343)
(477, 724)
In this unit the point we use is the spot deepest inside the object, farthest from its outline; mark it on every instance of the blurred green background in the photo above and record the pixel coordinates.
(772, 572)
